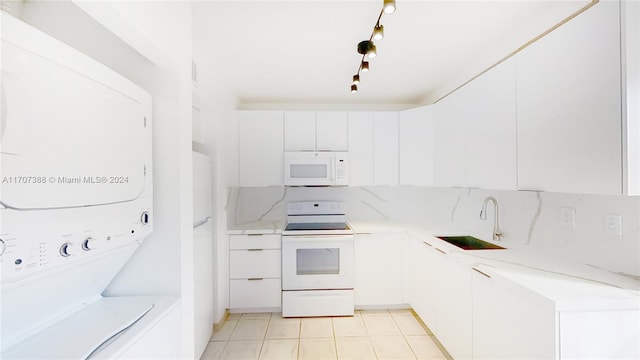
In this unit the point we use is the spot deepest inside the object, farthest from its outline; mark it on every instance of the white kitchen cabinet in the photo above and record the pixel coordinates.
(332, 131)
(379, 269)
(255, 273)
(475, 132)
(490, 129)
(422, 281)
(385, 148)
(453, 325)
(261, 148)
(300, 131)
(254, 263)
(255, 295)
(440, 293)
(450, 141)
(315, 131)
(569, 106)
(360, 135)
(416, 146)
(511, 322)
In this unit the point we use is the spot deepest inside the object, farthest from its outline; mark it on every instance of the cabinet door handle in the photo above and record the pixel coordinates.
(255, 279)
(426, 243)
(441, 251)
(483, 273)
(255, 249)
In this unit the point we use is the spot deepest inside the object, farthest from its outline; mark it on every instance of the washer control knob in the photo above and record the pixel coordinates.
(89, 244)
(3, 247)
(66, 249)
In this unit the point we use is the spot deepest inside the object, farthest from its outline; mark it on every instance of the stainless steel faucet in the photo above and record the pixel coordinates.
(497, 233)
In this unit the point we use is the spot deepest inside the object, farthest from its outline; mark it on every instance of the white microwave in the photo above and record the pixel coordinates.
(307, 168)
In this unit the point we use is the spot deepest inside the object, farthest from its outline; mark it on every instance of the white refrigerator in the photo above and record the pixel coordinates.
(203, 251)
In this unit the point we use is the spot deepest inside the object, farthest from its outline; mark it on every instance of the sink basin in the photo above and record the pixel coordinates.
(469, 243)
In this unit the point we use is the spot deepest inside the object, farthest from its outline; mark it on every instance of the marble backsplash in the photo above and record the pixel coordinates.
(526, 218)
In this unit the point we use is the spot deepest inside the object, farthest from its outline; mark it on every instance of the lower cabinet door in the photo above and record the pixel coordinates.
(453, 318)
(255, 293)
(510, 321)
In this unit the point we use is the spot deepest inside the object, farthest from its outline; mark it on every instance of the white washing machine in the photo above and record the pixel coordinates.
(76, 199)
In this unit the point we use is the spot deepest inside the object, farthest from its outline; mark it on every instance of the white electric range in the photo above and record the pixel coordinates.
(317, 260)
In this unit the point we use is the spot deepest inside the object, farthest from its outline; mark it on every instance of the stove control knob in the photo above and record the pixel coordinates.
(88, 244)
(3, 247)
(67, 249)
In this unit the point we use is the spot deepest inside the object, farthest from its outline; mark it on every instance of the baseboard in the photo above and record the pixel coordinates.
(218, 326)
(433, 337)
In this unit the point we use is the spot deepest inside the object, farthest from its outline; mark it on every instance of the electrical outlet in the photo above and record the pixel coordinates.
(568, 217)
(613, 225)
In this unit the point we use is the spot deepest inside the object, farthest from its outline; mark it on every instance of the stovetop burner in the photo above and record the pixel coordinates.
(316, 218)
(317, 226)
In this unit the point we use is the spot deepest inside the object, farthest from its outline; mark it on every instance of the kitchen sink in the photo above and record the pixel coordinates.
(469, 243)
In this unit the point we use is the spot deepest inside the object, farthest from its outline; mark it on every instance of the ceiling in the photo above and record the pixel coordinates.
(303, 53)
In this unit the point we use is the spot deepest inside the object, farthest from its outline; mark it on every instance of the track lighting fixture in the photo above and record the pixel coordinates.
(367, 48)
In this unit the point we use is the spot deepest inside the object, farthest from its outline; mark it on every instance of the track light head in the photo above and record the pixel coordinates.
(354, 89)
(364, 67)
(356, 79)
(378, 32)
(389, 6)
(372, 51)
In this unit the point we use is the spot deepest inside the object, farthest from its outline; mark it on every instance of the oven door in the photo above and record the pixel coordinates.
(317, 262)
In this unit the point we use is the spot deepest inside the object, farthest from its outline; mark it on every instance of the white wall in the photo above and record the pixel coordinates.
(527, 218)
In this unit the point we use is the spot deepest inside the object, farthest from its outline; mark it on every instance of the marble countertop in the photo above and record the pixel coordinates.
(571, 286)
(257, 227)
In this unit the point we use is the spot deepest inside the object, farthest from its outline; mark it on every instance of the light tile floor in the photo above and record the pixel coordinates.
(369, 335)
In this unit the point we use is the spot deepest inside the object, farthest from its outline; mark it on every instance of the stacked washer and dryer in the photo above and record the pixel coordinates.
(76, 201)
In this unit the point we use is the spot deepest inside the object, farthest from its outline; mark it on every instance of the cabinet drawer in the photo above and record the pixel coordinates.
(265, 293)
(257, 241)
(245, 264)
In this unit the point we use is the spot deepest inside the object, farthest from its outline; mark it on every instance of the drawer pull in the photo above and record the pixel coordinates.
(255, 249)
(485, 274)
(441, 251)
(254, 234)
(255, 279)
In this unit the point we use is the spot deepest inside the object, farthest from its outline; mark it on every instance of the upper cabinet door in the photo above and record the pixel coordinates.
(569, 106)
(450, 141)
(300, 131)
(416, 146)
(331, 131)
(490, 129)
(360, 148)
(261, 148)
(385, 148)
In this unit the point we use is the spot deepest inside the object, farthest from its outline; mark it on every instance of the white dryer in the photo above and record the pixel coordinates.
(76, 197)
